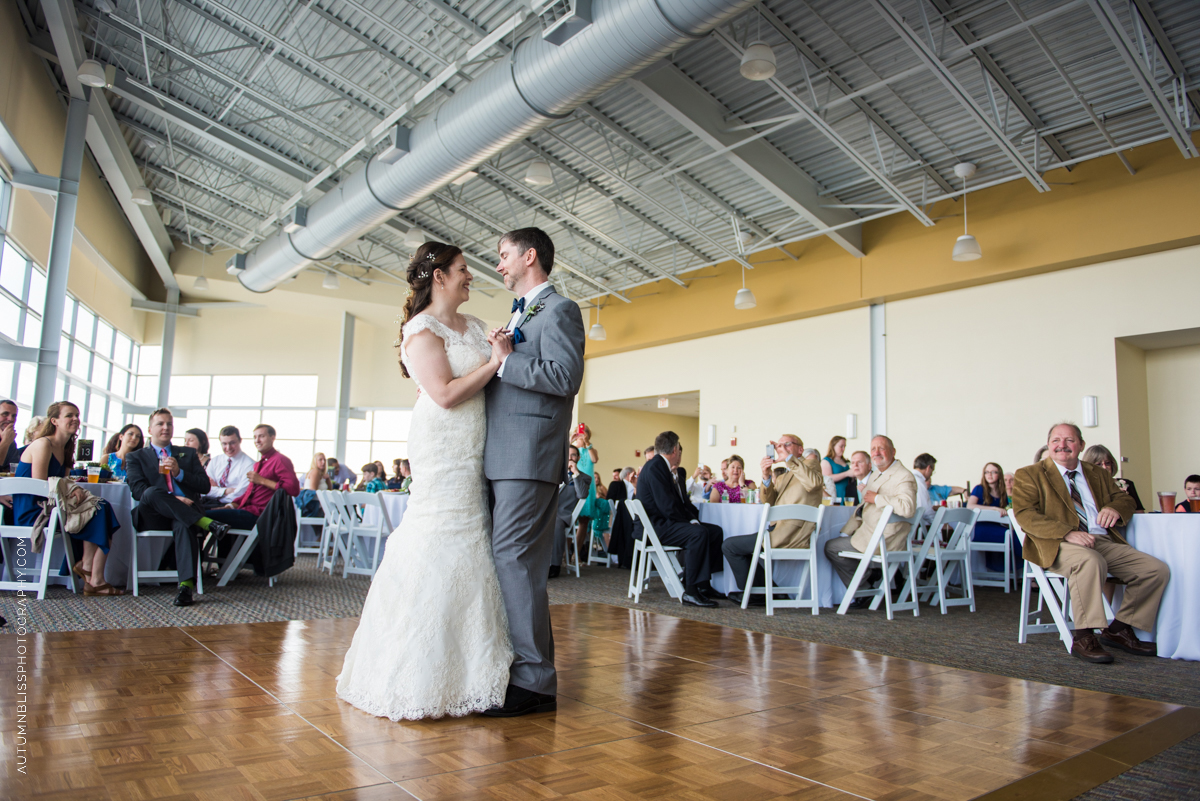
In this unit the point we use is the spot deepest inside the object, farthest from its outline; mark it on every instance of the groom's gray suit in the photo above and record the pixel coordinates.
(528, 424)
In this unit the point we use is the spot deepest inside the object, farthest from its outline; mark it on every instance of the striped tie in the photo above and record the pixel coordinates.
(1078, 499)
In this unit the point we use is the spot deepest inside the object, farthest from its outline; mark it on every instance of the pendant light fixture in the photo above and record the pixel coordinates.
(91, 73)
(331, 281)
(413, 239)
(744, 299)
(538, 174)
(597, 331)
(141, 196)
(758, 62)
(201, 283)
(967, 247)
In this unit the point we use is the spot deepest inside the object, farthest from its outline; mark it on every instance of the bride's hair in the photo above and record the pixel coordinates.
(429, 258)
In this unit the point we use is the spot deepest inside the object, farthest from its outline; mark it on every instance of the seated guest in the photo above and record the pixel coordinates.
(834, 466)
(601, 490)
(1008, 486)
(227, 470)
(33, 430)
(195, 438)
(120, 445)
(616, 476)
(891, 484)
(315, 480)
(676, 521)
(724, 469)
(649, 453)
(1041, 454)
(700, 484)
(339, 474)
(8, 449)
(1191, 491)
(992, 494)
(926, 465)
(620, 539)
(1103, 457)
(406, 471)
(621, 489)
(272, 471)
(860, 469)
(371, 482)
(801, 483)
(1068, 510)
(167, 481)
(51, 455)
(397, 481)
(573, 490)
(736, 486)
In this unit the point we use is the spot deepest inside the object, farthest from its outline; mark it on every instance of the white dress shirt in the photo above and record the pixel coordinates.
(515, 320)
(1085, 492)
(242, 464)
(923, 502)
(697, 489)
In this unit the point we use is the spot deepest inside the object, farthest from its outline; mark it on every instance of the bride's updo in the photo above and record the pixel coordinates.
(429, 258)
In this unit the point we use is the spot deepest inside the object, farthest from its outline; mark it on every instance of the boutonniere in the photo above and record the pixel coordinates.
(530, 313)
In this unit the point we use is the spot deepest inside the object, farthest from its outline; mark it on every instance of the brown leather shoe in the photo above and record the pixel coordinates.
(1087, 648)
(1128, 642)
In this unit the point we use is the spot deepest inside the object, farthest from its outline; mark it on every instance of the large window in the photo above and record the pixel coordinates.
(97, 365)
(289, 404)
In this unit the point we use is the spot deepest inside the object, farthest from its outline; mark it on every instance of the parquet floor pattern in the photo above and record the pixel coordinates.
(650, 706)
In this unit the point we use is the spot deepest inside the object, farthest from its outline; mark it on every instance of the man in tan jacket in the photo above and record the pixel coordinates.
(890, 484)
(1068, 510)
(802, 483)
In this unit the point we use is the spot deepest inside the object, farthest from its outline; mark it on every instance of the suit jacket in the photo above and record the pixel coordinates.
(895, 487)
(571, 493)
(664, 495)
(529, 406)
(141, 472)
(1043, 506)
(617, 491)
(803, 483)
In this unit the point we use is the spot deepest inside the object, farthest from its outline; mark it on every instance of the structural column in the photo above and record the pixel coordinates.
(58, 266)
(345, 370)
(168, 348)
(878, 370)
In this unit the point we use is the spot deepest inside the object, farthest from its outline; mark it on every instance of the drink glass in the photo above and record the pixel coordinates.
(93, 474)
(12, 468)
(162, 467)
(1166, 502)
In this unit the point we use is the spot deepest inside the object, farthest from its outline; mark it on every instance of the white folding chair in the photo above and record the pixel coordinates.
(652, 558)
(769, 555)
(369, 527)
(156, 574)
(598, 552)
(335, 536)
(890, 562)
(990, 578)
(1054, 596)
(302, 521)
(572, 541)
(956, 550)
(54, 549)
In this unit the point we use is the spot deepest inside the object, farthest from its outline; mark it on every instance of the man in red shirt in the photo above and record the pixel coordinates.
(272, 471)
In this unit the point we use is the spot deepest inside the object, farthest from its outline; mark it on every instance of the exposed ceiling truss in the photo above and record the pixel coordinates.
(236, 110)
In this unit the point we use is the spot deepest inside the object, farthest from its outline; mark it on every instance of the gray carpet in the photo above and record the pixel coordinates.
(984, 641)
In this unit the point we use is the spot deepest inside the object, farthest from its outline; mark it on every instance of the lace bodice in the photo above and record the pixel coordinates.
(465, 352)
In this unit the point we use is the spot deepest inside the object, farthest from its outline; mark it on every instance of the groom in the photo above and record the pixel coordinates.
(528, 420)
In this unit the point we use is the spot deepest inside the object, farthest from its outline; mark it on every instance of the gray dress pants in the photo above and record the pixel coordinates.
(523, 514)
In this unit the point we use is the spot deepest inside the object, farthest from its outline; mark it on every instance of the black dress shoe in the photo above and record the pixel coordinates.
(519, 701)
(755, 600)
(184, 596)
(697, 599)
(218, 530)
(860, 603)
(555, 570)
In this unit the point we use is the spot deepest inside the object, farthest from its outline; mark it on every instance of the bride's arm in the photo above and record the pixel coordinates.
(428, 364)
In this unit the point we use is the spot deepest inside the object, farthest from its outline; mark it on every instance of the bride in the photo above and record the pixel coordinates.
(433, 636)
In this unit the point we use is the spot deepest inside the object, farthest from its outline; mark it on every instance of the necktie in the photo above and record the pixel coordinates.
(170, 483)
(225, 474)
(518, 306)
(1078, 499)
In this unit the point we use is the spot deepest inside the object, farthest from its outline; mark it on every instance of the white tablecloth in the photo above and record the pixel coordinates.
(118, 570)
(395, 503)
(736, 519)
(1175, 539)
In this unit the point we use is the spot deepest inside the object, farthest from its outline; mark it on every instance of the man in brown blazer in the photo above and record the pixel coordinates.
(1068, 510)
(890, 484)
(802, 483)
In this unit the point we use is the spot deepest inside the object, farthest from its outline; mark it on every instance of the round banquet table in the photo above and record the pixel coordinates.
(736, 519)
(1175, 539)
(118, 570)
(395, 503)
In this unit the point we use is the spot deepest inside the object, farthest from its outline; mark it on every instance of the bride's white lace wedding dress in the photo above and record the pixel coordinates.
(433, 637)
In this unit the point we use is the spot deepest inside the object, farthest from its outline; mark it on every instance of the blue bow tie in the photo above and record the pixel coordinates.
(518, 305)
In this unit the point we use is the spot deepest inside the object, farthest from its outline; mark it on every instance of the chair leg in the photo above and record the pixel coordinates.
(769, 578)
(855, 581)
(969, 582)
(813, 583)
(136, 543)
(941, 581)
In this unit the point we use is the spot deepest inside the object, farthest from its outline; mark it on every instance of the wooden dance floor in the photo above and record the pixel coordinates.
(650, 706)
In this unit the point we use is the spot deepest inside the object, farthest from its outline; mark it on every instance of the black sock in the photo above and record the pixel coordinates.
(1079, 633)
(1116, 627)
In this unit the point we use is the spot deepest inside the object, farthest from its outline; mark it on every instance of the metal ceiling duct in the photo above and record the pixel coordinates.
(541, 82)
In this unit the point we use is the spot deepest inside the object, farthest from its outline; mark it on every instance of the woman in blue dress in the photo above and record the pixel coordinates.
(123, 443)
(594, 508)
(835, 466)
(992, 494)
(52, 454)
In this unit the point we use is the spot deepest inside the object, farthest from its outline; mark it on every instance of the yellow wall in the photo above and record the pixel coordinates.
(30, 108)
(1102, 214)
(617, 433)
(1133, 414)
(1173, 383)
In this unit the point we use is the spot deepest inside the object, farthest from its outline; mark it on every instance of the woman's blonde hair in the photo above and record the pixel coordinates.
(48, 427)
(316, 456)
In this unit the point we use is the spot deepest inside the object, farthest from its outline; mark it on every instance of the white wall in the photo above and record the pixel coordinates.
(1173, 391)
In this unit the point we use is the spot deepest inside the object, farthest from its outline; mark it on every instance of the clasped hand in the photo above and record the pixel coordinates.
(501, 340)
